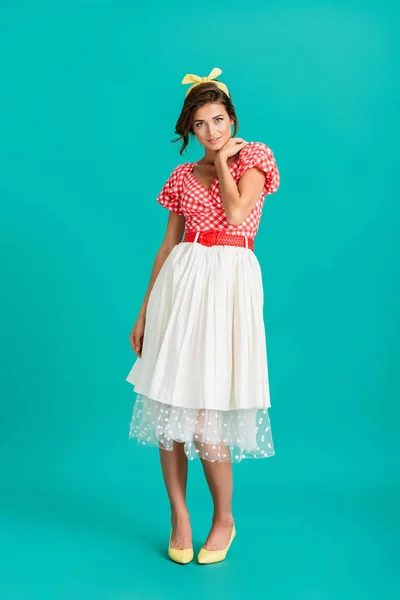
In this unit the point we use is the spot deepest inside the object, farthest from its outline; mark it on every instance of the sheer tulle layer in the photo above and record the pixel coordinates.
(210, 434)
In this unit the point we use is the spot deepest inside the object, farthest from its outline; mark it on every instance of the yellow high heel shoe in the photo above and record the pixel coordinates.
(180, 556)
(205, 557)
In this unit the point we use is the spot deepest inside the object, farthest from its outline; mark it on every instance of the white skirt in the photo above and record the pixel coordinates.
(202, 379)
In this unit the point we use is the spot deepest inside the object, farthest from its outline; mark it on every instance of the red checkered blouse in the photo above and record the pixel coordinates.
(185, 195)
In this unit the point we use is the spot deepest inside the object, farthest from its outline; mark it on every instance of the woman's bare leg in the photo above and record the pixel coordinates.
(219, 479)
(174, 464)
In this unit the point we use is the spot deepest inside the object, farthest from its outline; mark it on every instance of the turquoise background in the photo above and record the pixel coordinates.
(89, 96)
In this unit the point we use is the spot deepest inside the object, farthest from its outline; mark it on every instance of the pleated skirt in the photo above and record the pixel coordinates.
(202, 379)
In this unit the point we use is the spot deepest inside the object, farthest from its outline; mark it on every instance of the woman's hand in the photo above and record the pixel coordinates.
(136, 335)
(230, 148)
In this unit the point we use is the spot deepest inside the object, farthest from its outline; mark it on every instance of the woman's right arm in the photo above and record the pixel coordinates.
(173, 236)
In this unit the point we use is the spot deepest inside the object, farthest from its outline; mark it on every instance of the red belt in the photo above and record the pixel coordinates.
(220, 238)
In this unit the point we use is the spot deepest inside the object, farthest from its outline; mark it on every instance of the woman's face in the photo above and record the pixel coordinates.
(212, 125)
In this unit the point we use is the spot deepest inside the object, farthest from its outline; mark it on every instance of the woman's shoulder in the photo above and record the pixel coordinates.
(254, 148)
(182, 168)
(255, 153)
(179, 173)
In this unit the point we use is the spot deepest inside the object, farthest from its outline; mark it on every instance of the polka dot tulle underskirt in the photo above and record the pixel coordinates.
(223, 435)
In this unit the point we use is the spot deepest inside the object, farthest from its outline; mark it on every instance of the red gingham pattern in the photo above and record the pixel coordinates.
(185, 195)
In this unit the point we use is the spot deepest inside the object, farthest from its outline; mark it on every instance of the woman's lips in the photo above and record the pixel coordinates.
(214, 141)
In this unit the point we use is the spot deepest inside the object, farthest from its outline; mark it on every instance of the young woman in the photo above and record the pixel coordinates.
(201, 376)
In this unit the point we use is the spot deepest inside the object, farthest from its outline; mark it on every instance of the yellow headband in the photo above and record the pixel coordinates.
(196, 80)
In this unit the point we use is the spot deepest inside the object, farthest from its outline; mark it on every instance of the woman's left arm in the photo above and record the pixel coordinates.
(238, 200)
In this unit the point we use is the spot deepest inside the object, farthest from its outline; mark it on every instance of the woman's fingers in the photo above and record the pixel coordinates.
(134, 343)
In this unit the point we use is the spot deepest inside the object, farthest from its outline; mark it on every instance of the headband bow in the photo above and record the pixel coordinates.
(196, 80)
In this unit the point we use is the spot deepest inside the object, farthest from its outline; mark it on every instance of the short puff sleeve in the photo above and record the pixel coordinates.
(257, 154)
(170, 195)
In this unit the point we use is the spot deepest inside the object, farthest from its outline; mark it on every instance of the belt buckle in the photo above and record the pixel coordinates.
(204, 238)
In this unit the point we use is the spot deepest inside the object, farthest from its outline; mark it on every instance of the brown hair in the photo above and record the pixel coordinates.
(201, 94)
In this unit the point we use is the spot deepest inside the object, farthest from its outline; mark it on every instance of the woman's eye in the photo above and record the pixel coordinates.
(217, 119)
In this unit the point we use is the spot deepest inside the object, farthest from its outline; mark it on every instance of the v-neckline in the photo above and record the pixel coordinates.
(214, 180)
